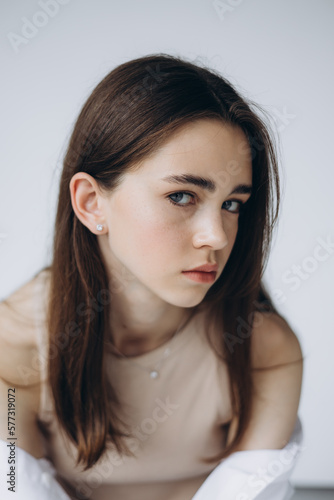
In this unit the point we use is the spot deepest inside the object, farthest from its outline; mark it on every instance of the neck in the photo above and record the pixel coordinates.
(137, 327)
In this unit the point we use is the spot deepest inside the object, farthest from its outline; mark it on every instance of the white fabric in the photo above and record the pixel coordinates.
(34, 478)
(254, 474)
(244, 475)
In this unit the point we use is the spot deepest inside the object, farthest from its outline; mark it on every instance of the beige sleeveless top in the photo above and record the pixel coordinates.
(176, 420)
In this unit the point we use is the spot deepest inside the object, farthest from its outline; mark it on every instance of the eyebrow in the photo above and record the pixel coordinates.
(204, 183)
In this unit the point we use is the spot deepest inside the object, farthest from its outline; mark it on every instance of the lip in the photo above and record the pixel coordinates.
(206, 268)
(200, 276)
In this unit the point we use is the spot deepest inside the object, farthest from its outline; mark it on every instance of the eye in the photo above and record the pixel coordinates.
(235, 204)
(181, 198)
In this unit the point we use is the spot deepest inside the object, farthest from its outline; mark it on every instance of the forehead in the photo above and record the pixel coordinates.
(203, 147)
(202, 134)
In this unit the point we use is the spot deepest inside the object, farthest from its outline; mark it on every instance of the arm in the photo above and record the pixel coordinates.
(25, 473)
(263, 462)
(276, 391)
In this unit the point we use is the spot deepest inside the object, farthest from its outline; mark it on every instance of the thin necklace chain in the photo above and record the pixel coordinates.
(154, 371)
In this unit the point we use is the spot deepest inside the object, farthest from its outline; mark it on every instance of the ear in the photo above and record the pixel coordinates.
(86, 201)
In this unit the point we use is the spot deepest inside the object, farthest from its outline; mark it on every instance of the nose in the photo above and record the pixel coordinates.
(210, 232)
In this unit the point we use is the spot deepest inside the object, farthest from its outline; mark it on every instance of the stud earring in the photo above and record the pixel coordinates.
(99, 227)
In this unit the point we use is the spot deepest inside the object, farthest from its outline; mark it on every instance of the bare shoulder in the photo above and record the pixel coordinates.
(277, 371)
(273, 341)
(277, 389)
(19, 371)
(19, 314)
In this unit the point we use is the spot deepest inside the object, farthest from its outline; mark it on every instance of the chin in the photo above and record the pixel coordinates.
(185, 299)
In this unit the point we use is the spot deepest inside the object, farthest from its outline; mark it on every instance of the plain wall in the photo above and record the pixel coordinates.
(277, 53)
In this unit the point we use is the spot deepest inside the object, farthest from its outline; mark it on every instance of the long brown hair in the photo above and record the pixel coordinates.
(130, 113)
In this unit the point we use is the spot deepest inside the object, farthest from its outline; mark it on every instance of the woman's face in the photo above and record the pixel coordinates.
(177, 212)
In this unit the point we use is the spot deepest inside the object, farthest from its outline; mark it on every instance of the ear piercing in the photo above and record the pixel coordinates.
(99, 227)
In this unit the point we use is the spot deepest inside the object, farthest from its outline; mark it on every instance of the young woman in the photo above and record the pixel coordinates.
(149, 351)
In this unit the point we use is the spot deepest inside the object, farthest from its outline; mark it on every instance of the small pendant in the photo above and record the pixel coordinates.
(154, 374)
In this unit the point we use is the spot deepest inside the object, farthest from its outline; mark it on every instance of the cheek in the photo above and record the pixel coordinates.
(148, 230)
(231, 230)
(158, 239)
